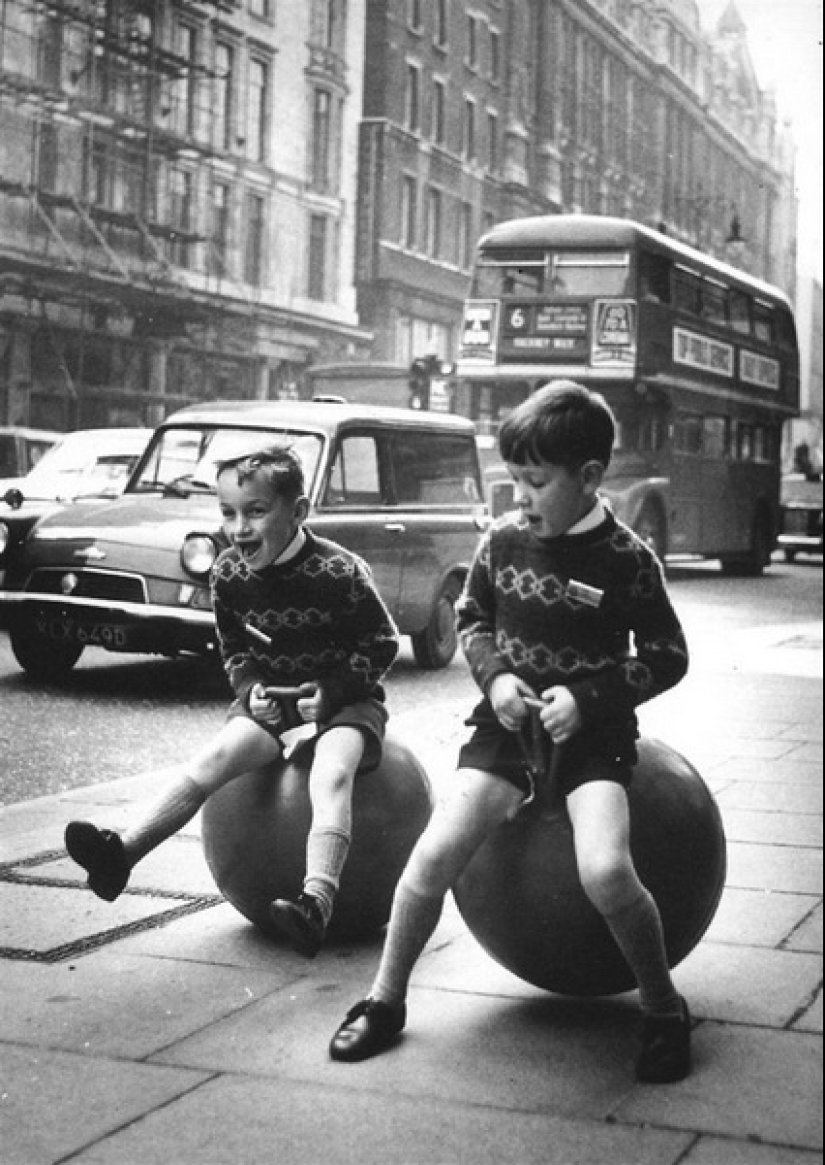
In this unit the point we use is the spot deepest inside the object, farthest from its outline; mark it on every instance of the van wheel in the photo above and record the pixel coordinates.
(436, 645)
(40, 656)
(650, 527)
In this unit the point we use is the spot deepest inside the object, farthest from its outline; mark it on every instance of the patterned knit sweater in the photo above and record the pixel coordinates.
(564, 611)
(325, 619)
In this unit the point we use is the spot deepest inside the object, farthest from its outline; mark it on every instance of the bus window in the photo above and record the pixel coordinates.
(687, 291)
(654, 278)
(653, 432)
(785, 331)
(688, 437)
(493, 279)
(740, 313)
(744, 442)
(763, 322)
(715, 436)
(715, 303)
(588, 274)
(761, 444)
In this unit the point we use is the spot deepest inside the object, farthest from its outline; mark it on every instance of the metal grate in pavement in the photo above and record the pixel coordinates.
(27, 872)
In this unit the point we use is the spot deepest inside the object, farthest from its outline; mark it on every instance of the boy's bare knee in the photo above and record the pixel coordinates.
(608, 884)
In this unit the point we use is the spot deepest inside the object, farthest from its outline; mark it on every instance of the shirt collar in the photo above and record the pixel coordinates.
(593, 518)
(292, 548)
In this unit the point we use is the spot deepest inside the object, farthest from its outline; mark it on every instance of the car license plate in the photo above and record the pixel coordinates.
(67, 630)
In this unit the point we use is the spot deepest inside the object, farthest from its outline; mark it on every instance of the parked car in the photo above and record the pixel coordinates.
(89, 463)
(800, 515)
(20, 451)
(401, 488)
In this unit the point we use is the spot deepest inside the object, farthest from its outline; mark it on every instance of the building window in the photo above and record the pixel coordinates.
(472, 42)
(50, 51)
(439, 112)
(321, 139)
(180, 215)
(185, 100)
(469, 129)
(98, 173)
(466, 237)
(495, 56)
(441, 23)
(434, 223)
(317, 275)
(223, 112)
(254, 239)
(409, 212)
(492, 142)
(219, 235)
(258, 109)
(412, 111)
(323, 30)
(47, 156)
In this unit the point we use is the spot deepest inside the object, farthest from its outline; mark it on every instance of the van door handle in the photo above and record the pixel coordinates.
(395, 527)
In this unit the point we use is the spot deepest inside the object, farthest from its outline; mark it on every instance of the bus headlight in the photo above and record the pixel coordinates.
(198, 554)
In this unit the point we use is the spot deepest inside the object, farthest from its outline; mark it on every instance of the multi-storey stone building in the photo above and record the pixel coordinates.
(493, 109)
(177, 184)
(196, 202)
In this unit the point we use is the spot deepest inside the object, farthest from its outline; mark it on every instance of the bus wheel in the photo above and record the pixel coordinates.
(650, 526)
(436, 645)
(38, 655)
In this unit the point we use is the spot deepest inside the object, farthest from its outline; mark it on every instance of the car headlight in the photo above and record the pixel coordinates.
(198, 554)
(5, 537)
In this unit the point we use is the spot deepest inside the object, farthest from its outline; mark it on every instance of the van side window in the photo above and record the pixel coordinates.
(431, 470)
(354, 479)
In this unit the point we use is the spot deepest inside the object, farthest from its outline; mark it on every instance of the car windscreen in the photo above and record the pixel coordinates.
(81, 467)
(183, 459)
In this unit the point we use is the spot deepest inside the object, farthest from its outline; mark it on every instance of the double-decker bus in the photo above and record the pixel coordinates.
(698, 361)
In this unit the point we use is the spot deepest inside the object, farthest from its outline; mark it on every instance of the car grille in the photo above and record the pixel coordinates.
(91, 584)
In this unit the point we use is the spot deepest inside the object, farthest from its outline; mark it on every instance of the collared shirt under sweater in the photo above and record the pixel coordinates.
(322, 613)
(587, 610)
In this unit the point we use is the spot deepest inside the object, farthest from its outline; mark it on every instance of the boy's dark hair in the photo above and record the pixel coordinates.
(562, 423)
(278, 464)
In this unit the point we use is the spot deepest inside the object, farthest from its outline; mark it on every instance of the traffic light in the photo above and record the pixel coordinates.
(422, 370)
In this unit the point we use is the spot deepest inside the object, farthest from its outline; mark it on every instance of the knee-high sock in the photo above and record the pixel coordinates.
(412, 923)
(327, 851)
(169, 813)
(637, 929)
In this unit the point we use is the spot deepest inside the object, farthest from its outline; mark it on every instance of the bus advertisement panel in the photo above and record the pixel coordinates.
(698, 360)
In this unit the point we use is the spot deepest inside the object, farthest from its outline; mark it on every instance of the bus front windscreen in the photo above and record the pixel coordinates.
(557, 274)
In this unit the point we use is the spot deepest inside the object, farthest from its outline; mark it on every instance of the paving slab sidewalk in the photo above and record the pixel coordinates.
(164, 1028)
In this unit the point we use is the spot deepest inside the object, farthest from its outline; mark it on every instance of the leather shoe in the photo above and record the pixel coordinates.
(369, 1028)
(665, 1056)
(300, 922)
(100, 852)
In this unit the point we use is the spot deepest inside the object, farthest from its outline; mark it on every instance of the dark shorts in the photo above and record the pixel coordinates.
(491, 748)
(370, 716)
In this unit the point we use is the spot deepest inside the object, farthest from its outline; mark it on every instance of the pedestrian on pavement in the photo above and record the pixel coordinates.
(554, 595)
(293, 611)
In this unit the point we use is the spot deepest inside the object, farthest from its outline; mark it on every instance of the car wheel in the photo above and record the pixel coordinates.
(38, 654)
(436, 645)
(650, 527)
